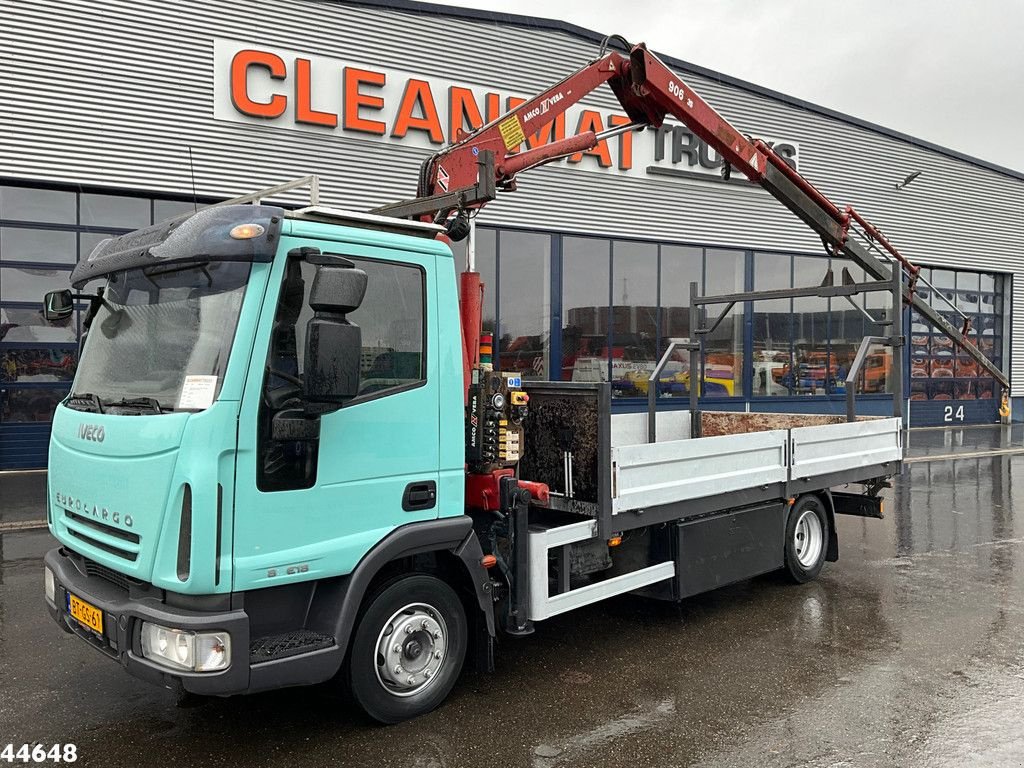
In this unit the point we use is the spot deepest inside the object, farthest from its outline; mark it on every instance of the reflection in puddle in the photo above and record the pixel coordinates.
(571, 750)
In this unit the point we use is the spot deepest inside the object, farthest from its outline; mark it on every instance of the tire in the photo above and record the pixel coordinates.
(807, 537)
(429, 618)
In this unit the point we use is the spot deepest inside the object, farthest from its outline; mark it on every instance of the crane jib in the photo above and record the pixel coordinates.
(649, 91)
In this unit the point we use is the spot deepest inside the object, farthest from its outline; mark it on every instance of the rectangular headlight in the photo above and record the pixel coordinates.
(50, 585)
(190, 651)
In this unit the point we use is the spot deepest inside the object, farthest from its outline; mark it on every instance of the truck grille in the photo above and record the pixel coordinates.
(108, 574)
(80, 522)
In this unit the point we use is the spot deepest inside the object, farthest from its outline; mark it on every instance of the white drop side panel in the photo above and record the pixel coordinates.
(829, 448)
(660, 473)
(631, 428)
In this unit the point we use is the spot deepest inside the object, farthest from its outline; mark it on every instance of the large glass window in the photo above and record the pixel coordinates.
(812, 372)
(487, 266)
(876, 373)
(525, 303)
(585, 289)
(169, 209)
(634, 347)
(847, 326)
(29, 284)
(938, 370)
(680, 266)
(772, 333)
(23, 325)
(29, 404)
(38, 365)
(87, 242)
(47, 206)
(47, 246)
(119, 211)
(723, 350)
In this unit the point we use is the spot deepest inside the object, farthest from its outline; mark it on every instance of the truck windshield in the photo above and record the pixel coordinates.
(161, 339)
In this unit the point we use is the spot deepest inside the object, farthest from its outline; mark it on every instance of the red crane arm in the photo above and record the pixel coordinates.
(645, 87)
(456, 166)
(648, 91)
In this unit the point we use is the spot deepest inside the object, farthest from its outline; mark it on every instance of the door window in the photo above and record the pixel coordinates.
(392, 321)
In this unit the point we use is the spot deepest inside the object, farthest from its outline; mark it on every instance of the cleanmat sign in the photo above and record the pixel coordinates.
(286, 89)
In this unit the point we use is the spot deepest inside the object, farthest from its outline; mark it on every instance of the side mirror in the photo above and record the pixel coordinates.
(58, 305)
(333, 344)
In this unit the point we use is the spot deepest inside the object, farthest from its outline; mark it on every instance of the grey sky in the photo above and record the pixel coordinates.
(946, 72)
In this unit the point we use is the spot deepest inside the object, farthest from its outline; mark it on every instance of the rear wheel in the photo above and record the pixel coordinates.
(807, 535)
(408, 649)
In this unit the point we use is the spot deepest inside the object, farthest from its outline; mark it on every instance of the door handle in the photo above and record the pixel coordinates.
(419, 496)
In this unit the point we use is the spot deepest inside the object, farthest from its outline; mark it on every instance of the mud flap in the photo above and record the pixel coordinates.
(832, 551)
(857, 504)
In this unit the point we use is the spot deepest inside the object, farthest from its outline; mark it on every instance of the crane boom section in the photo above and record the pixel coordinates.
(456, 166)
(649, 91)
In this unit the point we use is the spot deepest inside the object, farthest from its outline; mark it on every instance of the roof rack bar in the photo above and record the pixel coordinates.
(312, 182)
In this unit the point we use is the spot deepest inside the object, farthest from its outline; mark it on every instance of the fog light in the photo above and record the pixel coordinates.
(191, 651)
(50, 585)
(213, 651)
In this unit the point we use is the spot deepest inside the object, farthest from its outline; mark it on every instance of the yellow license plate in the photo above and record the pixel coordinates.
(86, 614)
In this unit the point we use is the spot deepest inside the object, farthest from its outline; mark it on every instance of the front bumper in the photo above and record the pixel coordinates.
(126, 605)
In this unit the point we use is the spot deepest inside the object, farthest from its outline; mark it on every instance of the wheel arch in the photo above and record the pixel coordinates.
(452, 540)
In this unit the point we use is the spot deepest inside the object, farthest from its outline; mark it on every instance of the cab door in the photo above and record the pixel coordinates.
(310, 509)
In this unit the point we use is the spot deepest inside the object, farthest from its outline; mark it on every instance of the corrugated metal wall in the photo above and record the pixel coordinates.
(111, 93)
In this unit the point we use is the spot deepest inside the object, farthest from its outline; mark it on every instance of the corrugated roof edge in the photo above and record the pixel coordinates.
(415, 6)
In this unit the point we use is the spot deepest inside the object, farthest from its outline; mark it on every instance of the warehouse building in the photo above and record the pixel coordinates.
(118, 116)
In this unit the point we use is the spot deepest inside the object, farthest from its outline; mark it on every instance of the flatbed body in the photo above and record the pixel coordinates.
(708, 510)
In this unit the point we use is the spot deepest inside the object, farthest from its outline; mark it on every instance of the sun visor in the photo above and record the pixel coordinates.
(223, 233)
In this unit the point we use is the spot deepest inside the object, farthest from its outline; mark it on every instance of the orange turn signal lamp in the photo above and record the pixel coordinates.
(246, 231)
(614, 541)
(488, 561)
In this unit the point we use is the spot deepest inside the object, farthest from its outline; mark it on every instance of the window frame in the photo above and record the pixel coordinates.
(424, 335)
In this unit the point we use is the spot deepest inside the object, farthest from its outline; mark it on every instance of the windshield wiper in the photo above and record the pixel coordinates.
(137, 402)
(85, 401)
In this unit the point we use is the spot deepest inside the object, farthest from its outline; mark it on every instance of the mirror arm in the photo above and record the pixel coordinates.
(96, 298)
(294, 424)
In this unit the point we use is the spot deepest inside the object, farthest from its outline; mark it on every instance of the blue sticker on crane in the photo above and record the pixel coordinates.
(515, 381)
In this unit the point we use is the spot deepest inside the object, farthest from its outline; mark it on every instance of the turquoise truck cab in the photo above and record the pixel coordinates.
(220, 522)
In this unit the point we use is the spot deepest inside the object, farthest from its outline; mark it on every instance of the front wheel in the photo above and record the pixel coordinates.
(807, 535)
(408, 649)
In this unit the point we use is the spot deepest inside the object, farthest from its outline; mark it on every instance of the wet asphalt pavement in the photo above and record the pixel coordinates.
(907, 652)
